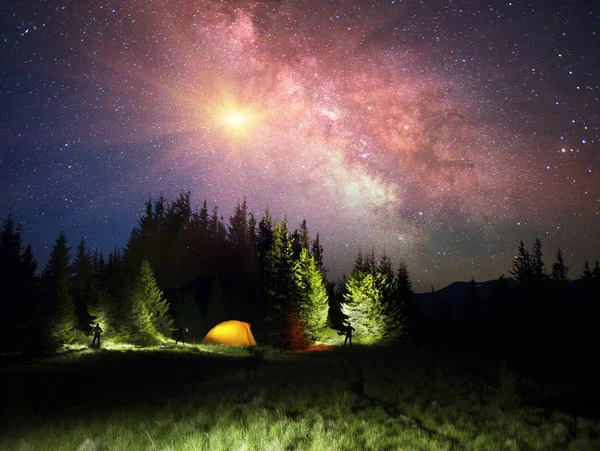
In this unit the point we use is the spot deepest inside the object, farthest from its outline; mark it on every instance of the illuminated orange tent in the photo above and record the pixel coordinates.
(231, 333)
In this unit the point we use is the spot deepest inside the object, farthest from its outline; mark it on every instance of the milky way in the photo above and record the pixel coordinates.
(440, 132)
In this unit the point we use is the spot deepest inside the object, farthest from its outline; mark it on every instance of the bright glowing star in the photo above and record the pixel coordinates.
(236, 119)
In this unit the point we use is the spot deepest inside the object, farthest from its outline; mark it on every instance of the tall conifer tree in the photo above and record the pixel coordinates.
(313, 302)
(559, 269)
(60, 312)
(153, 299)
(522, 266)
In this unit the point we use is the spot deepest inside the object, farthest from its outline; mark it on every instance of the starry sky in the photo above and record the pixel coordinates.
(439, 131)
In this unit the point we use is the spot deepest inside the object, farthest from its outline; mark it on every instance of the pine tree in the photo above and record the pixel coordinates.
(336, 291)
(587, 272)
(114, 308)
(313, 303)
(386, 285)
(296, 245)
(213, 224)
(266, 271)
(401, 309)
(304, 236)
(153, 299)
(238, 227)
(559, 268)
(387, 282)
(538, 273)
(81, 284)
(11, 322)
(522, 266)
(203, 220)
(363, 306)
(282, 289)
(317, 252)
(252, 239)
(60, 312)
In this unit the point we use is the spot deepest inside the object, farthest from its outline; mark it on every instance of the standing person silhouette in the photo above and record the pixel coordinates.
(180, 335)
(97, 331)
(348, 330)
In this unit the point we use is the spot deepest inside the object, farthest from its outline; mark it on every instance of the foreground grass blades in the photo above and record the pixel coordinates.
(204, 397)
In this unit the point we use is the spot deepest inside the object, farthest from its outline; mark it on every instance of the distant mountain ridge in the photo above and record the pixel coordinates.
(455, 295)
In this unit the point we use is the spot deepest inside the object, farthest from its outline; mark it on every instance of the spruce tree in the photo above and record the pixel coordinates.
(559, 268)
(114, 308)
(538, 273)
(60, 311)
(282, 287)
(387, 282)
(363, 306)
(386, 285)
(213, 224)
(81, 284)
(153, 299)
(11, 320)
(401, 309)
(203, 220)
(304, 235)
(313, 302)
(317, 252)
(363, 309)
(587, 272)
(252, 239)
(522, 271)
(237, 233)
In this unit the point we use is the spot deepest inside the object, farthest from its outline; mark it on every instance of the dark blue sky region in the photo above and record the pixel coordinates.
(440, 131)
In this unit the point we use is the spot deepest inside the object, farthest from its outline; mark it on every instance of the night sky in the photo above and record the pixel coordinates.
(440, 131)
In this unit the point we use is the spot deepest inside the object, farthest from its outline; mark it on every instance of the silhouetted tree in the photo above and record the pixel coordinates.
(18, 303)
(522, 271)
(587, 272)
(60, 310)
(404, 314)
(317, 252)
(538, 273)
(559, 268)
(81, 284)
(238, 227)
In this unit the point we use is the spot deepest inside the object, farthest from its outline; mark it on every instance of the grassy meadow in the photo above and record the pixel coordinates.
(202, 397)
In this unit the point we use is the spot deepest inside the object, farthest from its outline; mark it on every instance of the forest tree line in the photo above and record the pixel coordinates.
(536, 309)
(186, 267)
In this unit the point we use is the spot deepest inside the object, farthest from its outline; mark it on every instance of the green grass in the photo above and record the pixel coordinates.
(197, 397)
